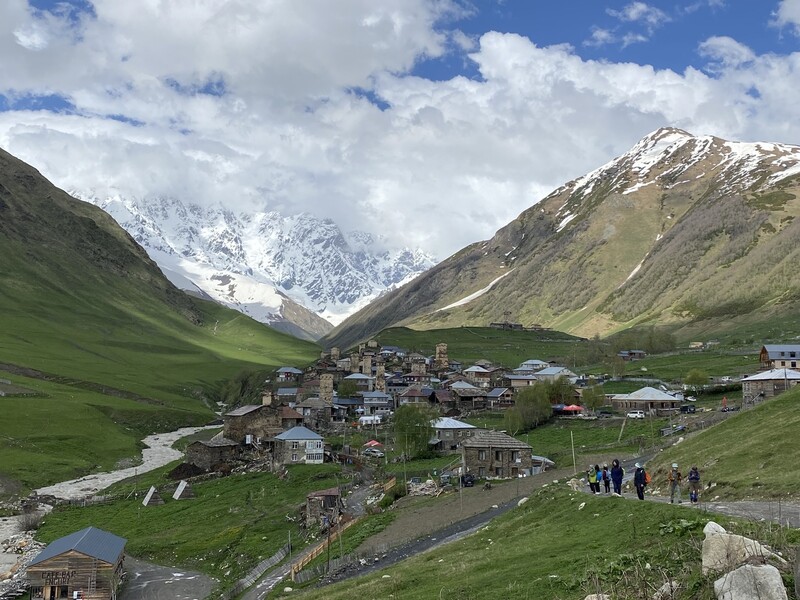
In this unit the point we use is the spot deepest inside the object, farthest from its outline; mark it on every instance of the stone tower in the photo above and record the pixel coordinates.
(366, 365)
(335, 354)
(380, 376)
(354, 362)
(441, 362)
(326, 387)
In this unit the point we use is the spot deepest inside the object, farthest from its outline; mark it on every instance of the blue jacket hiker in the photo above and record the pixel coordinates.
(617, 473)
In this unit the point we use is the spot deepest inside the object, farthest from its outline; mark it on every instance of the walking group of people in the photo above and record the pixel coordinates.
(641, 479)
(606, 476)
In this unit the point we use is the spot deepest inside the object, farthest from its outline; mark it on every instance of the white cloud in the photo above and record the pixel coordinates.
(725, 52)
(641, 12)
(788, 14)
(446, 163)
(601, 37)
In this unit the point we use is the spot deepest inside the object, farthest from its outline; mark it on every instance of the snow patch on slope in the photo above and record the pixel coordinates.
(478, 294)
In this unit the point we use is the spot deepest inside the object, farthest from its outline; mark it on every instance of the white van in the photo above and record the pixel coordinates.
(635, 414)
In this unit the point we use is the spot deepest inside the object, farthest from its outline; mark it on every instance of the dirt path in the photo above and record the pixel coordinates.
(159, 452)
(419, 517)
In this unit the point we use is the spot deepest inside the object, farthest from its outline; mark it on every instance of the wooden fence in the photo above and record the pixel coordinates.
(389, 484)
(298, 565)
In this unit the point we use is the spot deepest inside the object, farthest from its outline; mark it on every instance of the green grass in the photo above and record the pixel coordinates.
(674, 367)
(749, 455)
(232, 524)
(469, 344)
(549, 548)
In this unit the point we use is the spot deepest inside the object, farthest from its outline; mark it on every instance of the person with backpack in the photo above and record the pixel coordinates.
(591, 476)
(598, 477)
(675, 479)
(694, 485)
(606, 476)
(640, 480)
(617, 473)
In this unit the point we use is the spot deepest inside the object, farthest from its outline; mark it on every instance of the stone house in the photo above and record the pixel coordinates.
(363, 383)
(290, 417)
(468, 399)
(553, 373)
(299, 445)
(478, 376)
(322, 506)
(86, 564)
(648, 399)
(285, 374)
(210, 454)
(519, 381)
(257, 420)
(769, 383)
(316, 412)
(496, 454)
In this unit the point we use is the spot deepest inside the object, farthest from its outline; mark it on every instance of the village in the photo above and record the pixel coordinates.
(325, 412)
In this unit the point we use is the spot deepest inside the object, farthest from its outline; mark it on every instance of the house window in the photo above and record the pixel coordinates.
(498, 471)
(514, 455)
(294, 445)
(294, 457)
(481, 471)
(481, 454)
(498, 455)
(794, 364)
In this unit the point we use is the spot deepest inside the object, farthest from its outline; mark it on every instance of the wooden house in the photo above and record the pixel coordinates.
(780, 356)
(285, 374)
(86, 564)
(500, 397)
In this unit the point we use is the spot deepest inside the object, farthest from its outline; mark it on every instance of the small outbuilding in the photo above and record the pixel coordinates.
(86, 564)
(769, 383)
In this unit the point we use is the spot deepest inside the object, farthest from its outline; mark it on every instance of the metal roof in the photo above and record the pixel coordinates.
(448, 423)
(217, 442)
(475, 369)
(358, 376)
(91, 541)
(780, 350)
(298, 433)
(497, 392)
(462, 385)
(774, 374)
(291, 370)
(554, 371)
(647, 393)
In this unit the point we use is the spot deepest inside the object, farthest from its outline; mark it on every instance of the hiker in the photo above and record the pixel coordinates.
(694, 485)
(598, 477)
(591, 477)
(606, 478)
(617, 472)
(639, 481)
(675, 480)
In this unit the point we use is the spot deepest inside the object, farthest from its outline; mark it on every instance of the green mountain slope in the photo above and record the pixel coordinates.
(83, 306)
(678, 231)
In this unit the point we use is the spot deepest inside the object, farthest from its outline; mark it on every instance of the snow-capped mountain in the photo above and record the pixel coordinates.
(680, 229)
(261, 263)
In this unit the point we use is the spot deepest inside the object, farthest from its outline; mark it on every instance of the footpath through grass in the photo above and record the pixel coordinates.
(551, 547)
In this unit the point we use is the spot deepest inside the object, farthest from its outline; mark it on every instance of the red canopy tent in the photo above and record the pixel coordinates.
(573, 408)
(373, 444)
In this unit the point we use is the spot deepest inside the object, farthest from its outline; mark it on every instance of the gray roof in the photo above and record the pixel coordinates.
(91, 541)
(554, 371)
(298, 433)
(359, 376)
(782, 350)
(647, 393)
(774, 374)
(463, 385)
(291, 370)
(494, 439)
(287, 391)
(448, 423)
(218, 442)
(522, 377)
(496, 392)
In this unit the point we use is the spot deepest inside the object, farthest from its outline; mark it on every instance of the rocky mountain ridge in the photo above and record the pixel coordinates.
(680, 228)
(298, 273)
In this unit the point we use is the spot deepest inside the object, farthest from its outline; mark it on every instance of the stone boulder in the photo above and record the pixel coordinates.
(726, 551)
(751, 581)
(668, 591)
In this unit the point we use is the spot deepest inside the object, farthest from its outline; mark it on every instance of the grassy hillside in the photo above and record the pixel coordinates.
(469, 344)
(749, 455)
(551, 547)
(82, 306)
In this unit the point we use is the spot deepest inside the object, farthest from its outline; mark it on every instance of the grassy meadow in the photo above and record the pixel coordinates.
(468, 344)
(243, 517)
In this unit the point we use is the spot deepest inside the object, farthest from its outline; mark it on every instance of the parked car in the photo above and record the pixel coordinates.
(372, 452)
(688, 408)
(635, 414)
(691, 399)
(727, 379)
(468, 480)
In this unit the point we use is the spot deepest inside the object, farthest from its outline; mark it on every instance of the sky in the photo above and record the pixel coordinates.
(430, 122)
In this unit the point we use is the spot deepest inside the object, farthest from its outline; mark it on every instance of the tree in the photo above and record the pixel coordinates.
(696, 379)
(560, 391)
(533, 405)
(413, 429)
(347, 389)
(513, 422)
(593, 397)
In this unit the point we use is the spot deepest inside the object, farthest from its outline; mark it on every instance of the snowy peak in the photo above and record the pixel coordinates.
(670, 158)
(256, 261)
